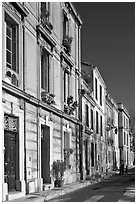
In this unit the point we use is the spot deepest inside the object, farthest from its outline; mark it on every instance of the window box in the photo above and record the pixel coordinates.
(45, 18)
(46, 23)
(47, 98)
(71, 106)
(110, 141)
(88, 130)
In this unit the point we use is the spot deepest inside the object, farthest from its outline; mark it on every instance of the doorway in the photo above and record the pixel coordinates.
(45, 154)
(11, 155)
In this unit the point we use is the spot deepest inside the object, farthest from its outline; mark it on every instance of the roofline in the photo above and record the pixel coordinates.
(100, 76)
(75, 13)
(121, 107)
(97, 70)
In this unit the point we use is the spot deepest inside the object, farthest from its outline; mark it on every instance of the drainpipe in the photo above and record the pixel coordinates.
(81, 93)
(25, 174)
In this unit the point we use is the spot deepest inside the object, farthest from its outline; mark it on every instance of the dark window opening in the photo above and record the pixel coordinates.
(45, 65)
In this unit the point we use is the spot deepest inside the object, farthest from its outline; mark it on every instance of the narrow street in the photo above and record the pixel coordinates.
(119, 188)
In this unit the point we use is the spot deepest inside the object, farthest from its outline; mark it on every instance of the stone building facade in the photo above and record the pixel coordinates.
(98, 86)
(40, 82)
(99, 94)
(124, 134)
(88, 130)
(113, 155)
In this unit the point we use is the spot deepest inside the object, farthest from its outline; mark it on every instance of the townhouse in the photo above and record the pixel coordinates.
(88, 130)
(93, 77)
(124, 134)
(113, 155)
(40, 81)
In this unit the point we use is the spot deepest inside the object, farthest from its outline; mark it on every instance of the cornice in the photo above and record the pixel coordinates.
(46, 35)
(20, 8)
(66, 58)
(38, 103)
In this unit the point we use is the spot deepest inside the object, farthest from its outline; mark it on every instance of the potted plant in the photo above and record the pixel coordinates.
(58, 169)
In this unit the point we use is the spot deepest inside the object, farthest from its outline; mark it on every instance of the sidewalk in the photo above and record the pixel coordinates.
(44, 196)
(52, 193)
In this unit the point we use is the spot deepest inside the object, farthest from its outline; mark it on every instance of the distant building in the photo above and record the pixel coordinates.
(113, 154)
(93, 77)
(124, 134)
(89, 151)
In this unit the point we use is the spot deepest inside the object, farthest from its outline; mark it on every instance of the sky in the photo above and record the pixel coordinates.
(108, 42)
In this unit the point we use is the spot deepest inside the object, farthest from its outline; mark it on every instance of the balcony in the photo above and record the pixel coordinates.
(47, 98)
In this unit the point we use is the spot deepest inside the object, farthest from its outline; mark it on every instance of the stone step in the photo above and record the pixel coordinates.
(15, 195)
(47, 186)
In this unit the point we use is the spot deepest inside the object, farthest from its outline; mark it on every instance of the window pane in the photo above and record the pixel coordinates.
(45, 71)
(8, 57)
(66, 86)
(8, 43)
(14, 48)
(8, 65)
(96, 89)
(101, 95)
(8, 31)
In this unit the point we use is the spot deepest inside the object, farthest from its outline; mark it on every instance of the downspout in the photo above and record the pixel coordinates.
(80, 110)
(38, 108)
(25, 174)
(80, 134)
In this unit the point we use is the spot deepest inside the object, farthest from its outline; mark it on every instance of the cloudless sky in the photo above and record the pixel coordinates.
(108, 42)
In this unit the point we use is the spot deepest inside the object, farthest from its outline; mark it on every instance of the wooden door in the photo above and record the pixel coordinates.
(45, 154)
(10, 159)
